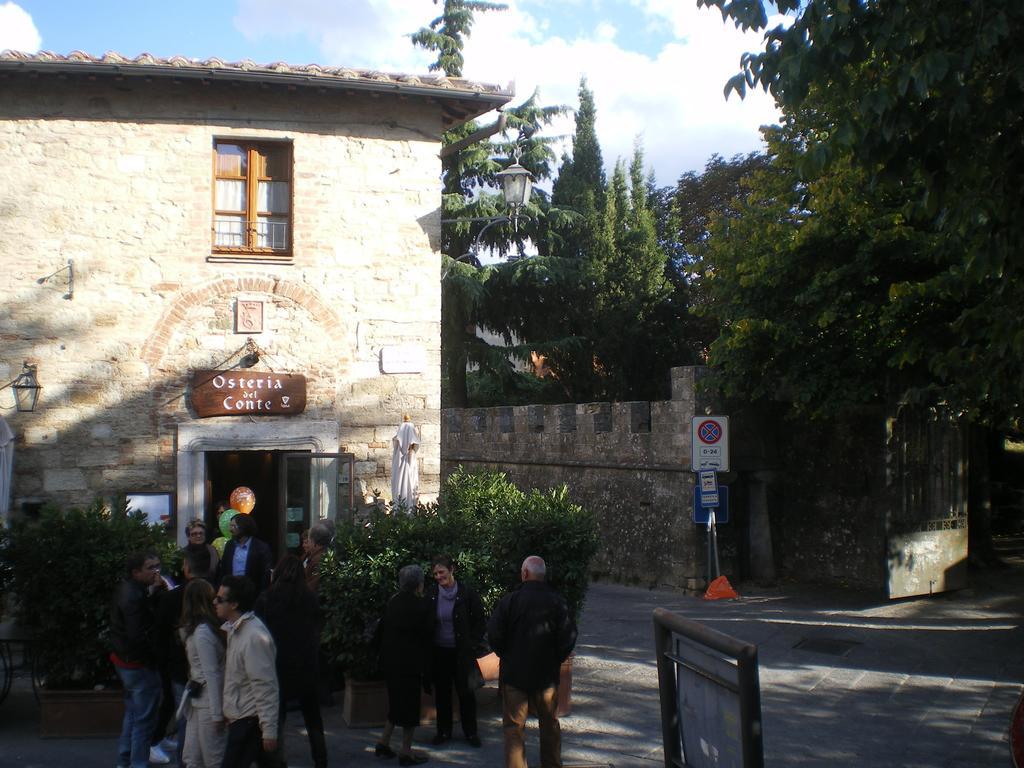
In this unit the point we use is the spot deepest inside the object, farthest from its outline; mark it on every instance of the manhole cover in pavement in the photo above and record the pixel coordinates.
(832, 647)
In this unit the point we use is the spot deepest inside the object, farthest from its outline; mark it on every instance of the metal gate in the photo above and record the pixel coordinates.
(926, 523)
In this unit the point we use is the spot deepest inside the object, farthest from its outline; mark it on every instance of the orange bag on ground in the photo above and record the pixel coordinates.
(720, 589)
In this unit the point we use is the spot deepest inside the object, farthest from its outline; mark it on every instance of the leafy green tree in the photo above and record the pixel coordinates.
(923, 96)
(698, 197)
(799, 276)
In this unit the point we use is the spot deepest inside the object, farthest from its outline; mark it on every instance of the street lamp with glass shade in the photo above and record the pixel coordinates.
(516, 184)
(26, 389)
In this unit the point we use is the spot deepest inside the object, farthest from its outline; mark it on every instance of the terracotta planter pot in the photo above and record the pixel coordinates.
(489, 666)
(365, 703)
(80, 714)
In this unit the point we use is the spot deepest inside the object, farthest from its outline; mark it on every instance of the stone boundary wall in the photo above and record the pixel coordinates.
(807, 501)
(629, 462)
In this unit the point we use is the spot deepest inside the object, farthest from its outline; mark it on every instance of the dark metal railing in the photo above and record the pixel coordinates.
(710, 695)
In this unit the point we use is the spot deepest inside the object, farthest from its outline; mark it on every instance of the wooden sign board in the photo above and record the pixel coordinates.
(247, 393)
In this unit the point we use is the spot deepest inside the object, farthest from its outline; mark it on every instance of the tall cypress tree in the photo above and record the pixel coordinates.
(581, 181)
(583, 172)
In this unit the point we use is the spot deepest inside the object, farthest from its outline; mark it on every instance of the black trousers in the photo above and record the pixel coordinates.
(448, 671)
(308, 696)
(245, 747)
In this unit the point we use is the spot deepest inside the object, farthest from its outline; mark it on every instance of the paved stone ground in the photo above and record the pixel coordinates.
(925, 683)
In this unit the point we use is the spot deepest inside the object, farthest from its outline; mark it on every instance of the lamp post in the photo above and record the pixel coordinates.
(516, 186)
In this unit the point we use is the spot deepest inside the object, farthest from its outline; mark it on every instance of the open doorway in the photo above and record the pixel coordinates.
(257, 470)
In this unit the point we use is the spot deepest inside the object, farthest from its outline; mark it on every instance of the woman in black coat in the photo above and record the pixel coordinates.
(291, 612)
(405, 661)
(458, 626)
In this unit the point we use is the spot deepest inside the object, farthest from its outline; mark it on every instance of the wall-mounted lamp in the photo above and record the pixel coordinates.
(70, 268)
(251, 356)
(26, 389)
(516, 186)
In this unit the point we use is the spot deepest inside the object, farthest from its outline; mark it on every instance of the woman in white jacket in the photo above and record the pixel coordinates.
(205, 734)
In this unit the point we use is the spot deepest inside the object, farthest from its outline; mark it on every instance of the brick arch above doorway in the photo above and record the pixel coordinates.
(156, 344)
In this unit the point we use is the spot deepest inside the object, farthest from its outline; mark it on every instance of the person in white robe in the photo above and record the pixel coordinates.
(405, 473)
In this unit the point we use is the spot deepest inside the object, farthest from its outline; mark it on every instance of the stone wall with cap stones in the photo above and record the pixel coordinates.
(823, 485)
(117, 177)
(629, 462)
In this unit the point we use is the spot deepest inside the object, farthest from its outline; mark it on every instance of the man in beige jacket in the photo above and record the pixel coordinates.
(251, 705)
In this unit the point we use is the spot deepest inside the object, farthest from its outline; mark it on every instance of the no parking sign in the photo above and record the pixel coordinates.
(710, 441)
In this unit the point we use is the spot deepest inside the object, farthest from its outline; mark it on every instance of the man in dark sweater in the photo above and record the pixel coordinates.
(532, 632)
(132, 623)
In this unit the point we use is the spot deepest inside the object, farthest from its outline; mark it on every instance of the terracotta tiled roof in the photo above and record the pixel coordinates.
(447, 89)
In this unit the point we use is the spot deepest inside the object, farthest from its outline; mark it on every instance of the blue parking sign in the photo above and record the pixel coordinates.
(701, 513)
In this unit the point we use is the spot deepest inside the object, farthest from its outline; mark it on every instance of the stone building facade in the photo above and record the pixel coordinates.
(221, 218)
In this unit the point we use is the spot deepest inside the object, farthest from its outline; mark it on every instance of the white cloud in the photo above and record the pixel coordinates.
(17, 30)
(672, 96)
(605, 32)
(370, 34)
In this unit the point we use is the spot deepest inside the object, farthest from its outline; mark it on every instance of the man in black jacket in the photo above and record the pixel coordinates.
(532, 633)
(131, 634)
(246, 555)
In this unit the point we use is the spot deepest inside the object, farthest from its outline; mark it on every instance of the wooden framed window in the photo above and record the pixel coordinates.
(252, 200)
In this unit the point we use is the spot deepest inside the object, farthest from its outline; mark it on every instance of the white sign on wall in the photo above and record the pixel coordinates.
(403, 359)
(710, 441)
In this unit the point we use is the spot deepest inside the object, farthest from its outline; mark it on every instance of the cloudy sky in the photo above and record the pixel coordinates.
(657, 68)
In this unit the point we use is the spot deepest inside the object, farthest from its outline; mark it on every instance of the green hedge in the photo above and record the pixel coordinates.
(61, 571)
(484, 522)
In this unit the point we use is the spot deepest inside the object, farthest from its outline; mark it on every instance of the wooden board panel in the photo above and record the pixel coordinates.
(247, 393)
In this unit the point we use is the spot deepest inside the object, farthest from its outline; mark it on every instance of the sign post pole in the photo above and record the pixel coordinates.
(710, 455)
(713, 568)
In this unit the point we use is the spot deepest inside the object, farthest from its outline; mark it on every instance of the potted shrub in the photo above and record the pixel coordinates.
(61, 571)
(486, 523)
(358, 577)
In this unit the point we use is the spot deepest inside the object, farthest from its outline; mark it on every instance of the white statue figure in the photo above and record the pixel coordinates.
(405, 474)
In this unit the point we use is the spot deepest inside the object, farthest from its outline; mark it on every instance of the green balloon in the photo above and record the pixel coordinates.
(218, 544)
(225, 521)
